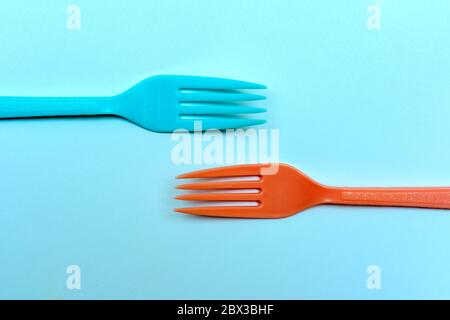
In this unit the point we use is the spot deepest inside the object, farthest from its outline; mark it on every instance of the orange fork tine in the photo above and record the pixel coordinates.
(220, 185)
(230, 212)
(229, 171)
(220, 197)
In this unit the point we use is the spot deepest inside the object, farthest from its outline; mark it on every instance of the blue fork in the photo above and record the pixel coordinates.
(159, 103)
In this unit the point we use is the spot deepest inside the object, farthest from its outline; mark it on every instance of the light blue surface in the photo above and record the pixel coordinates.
(354, 107)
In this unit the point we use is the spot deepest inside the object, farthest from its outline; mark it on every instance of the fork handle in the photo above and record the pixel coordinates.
(434, 197)
(21, 107)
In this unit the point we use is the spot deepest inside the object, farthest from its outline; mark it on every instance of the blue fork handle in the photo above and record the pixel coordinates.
(21, 107)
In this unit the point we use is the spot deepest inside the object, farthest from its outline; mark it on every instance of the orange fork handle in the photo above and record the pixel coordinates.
(391, 197)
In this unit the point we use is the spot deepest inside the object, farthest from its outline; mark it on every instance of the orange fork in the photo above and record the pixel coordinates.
(286, 191)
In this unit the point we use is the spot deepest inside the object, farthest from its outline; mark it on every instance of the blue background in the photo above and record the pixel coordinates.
(354, 107)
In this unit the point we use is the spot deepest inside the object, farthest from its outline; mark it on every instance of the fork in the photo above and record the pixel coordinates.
(286, 191)
(161, 103)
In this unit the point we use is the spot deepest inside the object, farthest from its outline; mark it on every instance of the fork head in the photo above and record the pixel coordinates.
(167, 103)
(278, 195)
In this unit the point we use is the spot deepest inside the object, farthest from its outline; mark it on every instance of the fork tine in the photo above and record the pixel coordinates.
(189, 82)
(229, 171)
(218, 96)
(206, 108)
(224, 211)
(219, 197)
(220, 185)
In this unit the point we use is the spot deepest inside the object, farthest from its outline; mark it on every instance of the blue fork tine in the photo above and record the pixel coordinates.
(218, 96)
(192, 82)
(210, 108)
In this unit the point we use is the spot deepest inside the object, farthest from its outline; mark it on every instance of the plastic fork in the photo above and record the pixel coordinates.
(289, 191)
(159, 103)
